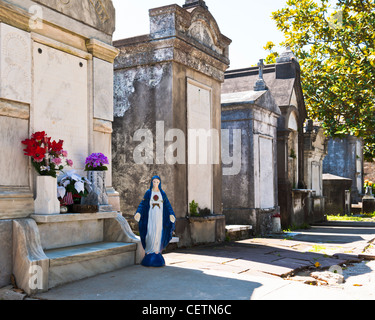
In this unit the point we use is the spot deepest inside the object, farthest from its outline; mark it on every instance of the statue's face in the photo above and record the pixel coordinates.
(156, 183)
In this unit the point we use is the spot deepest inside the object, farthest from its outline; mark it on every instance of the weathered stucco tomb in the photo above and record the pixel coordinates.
(250, 194)
(283, 81)
(336, 191)
(345, 159)
(56, 67)
(315, 150)
(167, 92)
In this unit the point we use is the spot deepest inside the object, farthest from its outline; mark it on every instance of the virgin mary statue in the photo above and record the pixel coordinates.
(156, 223)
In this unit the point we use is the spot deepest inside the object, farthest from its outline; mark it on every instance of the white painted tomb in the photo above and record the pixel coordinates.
(56, 75)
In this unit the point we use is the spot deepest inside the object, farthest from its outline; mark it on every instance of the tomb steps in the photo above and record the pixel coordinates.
(52, 250)
(356, 208)
(238, 232)
(78, 262)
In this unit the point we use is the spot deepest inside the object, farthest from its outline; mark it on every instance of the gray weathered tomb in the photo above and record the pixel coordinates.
(283, 81)
(345, 159)
(168, 84)
(315, 150)
(337, 193)
(250, 194)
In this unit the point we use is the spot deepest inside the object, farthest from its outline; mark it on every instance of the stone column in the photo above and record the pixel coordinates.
(102, 70)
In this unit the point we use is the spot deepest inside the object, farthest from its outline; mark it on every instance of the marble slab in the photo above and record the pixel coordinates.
(63, 256)
(103, 90)
(61, 94)
(15, 64)
(73, 217)
(12, 157)
(63, 274)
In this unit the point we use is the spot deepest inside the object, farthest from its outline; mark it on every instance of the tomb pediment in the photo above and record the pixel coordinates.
(200, 33)
(197, 27)
(99, 14)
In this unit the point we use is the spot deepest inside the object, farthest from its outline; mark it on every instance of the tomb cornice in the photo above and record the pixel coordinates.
(14, 16)
(98, 14)
(188, 37)
(51, 24)
(16, 202)
(39, 38)
(170, 49)
(102, 50)
(14, 109)
(103, 126)
(56, 36)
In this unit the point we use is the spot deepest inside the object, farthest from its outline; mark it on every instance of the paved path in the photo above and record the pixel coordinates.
(243, 270)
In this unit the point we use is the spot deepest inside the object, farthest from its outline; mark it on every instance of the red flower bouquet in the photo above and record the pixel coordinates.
(46, 156)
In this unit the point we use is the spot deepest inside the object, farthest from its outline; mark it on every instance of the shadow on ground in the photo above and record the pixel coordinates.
(168, 283)
(323, 246)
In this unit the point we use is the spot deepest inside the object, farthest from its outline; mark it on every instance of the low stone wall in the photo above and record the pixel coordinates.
(201, 230)
(259, 219)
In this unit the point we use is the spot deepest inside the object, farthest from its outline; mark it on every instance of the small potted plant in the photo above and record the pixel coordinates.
(204, 225)
(96, 162)
(96, 168)
(193, 208)
(71, 189)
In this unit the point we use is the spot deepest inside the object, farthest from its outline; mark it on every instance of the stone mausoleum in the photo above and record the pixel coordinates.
(287, 161)
(250, 194)
(56, 71)
(345, 159)
(167, 118)
(315, 150)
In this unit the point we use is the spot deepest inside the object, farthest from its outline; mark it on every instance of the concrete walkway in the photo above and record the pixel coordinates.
(243, 270)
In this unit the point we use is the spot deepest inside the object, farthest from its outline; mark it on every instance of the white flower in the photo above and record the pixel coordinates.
(61, 191)
(80, 183)
(79, 186)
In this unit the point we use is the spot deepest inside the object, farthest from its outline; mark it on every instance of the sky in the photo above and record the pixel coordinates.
(247, 23)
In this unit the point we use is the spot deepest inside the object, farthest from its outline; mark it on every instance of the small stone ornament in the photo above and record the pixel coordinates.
(156, 220)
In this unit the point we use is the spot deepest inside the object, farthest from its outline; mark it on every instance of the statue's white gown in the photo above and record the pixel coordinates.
(155, 224)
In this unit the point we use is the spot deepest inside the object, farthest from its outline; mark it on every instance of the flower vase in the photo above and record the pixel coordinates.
(46, 201)
(369, 192)
(98, 195)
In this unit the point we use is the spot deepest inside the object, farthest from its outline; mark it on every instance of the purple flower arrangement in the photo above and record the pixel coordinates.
(96, 162)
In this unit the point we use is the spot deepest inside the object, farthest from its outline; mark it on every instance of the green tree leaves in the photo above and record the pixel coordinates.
(335, 46)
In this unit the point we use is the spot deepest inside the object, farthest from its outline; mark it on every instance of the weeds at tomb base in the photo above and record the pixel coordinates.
(293, 227)
(366, 217)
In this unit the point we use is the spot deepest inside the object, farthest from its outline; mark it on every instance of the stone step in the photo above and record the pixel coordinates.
(238, 232)
(356, 208)
(78, 262)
